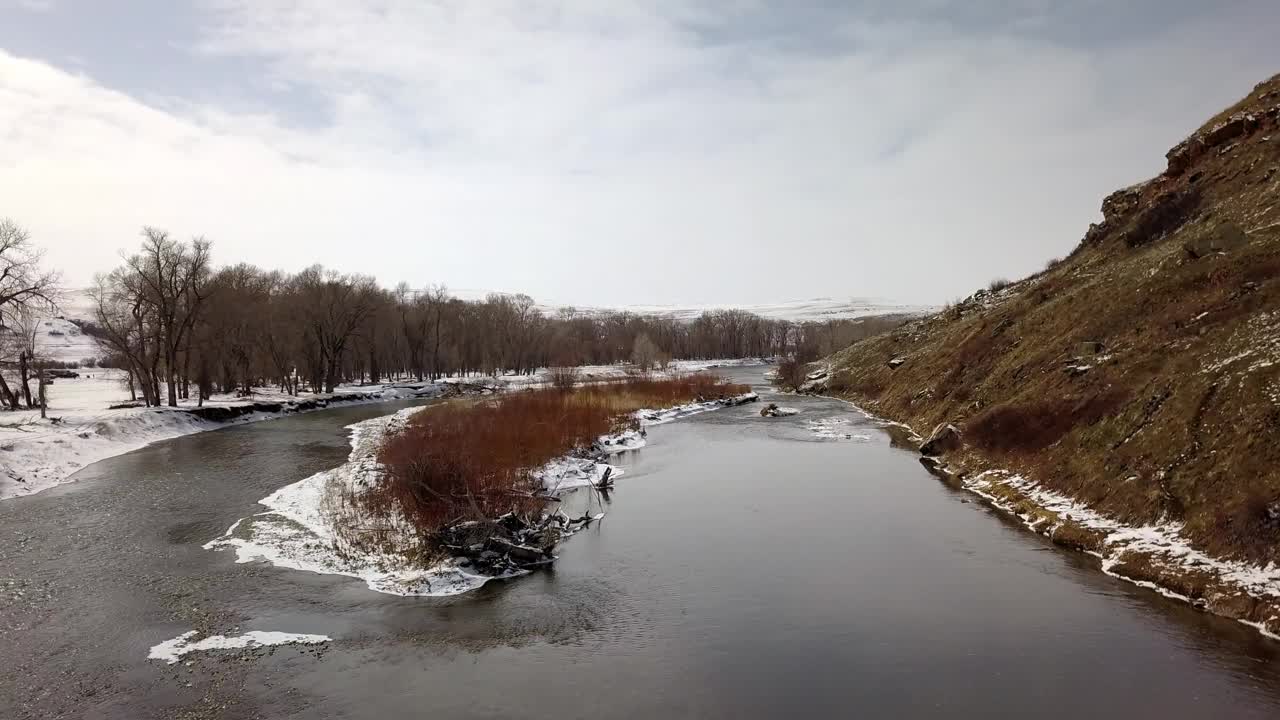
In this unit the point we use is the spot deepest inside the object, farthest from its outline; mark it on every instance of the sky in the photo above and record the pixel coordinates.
(608, 152)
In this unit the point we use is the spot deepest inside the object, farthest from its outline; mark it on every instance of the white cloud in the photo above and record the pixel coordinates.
(614, 152)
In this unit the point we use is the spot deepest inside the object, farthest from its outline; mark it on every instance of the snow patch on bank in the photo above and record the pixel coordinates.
(659, 417)
(295, 532)
(1164, 541)
(39, 454)
(171, 651)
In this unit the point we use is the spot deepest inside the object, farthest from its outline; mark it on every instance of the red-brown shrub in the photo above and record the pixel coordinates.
(476, 459)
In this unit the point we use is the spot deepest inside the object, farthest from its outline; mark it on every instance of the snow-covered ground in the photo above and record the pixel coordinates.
(296, 532)
(60, 339)
(37, 454)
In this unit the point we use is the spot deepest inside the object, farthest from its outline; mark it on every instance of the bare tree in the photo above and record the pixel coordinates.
(25, 288)
(644, 353)
(333, 308)
(167, 282)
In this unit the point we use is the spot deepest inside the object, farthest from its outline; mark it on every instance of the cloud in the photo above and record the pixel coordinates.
(625, 151)
(29, 5)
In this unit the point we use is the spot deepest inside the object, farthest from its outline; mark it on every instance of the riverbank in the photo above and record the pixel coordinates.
(92, 418)
(83, 427)
(1154, 556)
(297, 531)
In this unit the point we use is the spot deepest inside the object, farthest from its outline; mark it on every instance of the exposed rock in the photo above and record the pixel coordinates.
(897, 362)
(944, 438)
(772, 410)
(1121, 202)
(1229, 129)
(1183, 155)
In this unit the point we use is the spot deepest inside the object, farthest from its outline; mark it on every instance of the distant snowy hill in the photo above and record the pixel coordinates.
(60, 339)
(817, 309)
(813, 310)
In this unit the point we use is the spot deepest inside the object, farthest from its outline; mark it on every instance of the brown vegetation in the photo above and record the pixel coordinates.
(476, 460)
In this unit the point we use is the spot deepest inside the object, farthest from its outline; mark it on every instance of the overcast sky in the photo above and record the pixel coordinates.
(608, 151)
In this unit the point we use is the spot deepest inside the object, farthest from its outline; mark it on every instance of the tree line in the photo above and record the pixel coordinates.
(182, 327)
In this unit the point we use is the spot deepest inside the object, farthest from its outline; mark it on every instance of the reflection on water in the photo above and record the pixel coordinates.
(747, 568)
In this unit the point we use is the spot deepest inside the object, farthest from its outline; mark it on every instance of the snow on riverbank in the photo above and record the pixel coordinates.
(601, 373)
(1164, 541)
(295, 531)
(171, 651)
(38, 454)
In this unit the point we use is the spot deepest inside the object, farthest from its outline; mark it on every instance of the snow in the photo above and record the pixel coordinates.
(171, 651)
(597, 373)
(60, 339)
(39, 454)
(810, 310)
(295, 531)
(658, 417)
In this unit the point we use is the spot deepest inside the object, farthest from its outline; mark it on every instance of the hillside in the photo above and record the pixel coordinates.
(1137, 379)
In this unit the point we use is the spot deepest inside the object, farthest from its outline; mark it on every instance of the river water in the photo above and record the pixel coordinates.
(747, 568)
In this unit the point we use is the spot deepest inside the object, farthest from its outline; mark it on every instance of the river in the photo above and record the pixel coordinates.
(747, 568)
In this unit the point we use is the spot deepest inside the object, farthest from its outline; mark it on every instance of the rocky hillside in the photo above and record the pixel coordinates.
(1140, 375)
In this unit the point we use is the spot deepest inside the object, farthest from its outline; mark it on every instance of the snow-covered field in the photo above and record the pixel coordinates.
(295, 530)
(37, 454)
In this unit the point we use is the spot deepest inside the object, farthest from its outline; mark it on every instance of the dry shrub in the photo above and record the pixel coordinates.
(1031, 427)
(791, 374)
(564, 378)
(475, 460)
(998, 284)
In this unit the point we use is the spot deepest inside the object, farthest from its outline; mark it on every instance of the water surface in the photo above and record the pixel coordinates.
(746, 569)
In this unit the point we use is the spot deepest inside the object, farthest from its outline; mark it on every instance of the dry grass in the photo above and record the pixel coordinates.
(1035, 426)
(475, 460)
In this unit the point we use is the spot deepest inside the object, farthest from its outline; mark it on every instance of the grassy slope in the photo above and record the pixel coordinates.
(1181, 421)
